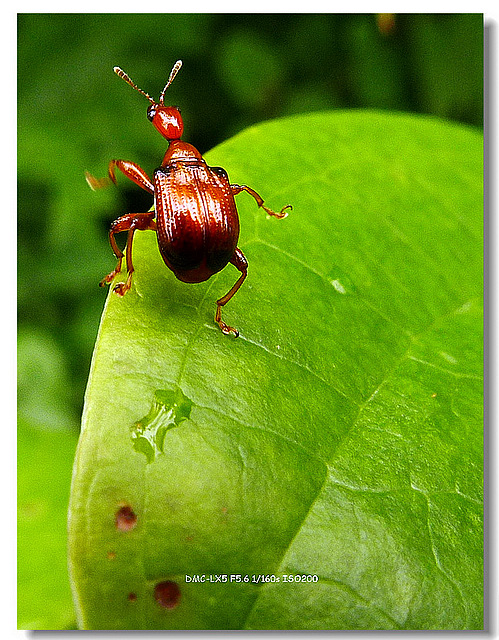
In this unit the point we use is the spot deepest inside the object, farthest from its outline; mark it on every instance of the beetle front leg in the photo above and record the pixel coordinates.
(129, 169)
(133, 172)
(131, 223)
(240, 262)
(237, 188)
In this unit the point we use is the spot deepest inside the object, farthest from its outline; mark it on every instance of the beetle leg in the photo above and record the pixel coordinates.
(237, 188)
(132, 171)
(129, 169)
(131, 223)
(240, 262)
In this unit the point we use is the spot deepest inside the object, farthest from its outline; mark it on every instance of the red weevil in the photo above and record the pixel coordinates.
(195, 216)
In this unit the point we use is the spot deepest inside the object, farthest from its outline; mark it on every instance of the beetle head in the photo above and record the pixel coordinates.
(167, 120)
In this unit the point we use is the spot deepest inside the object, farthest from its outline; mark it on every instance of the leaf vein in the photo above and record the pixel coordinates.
(457, 374)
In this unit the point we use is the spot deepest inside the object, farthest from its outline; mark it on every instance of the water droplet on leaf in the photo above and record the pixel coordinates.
(448, 357)
(169, 409)
(341, 282)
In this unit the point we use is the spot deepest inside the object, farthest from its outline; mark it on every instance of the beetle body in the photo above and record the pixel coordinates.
(195, 216)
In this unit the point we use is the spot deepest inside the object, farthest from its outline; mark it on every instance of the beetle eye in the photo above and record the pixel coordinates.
(178, 109)
(151, 112)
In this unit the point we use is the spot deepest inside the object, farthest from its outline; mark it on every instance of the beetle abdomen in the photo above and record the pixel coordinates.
(196, 218)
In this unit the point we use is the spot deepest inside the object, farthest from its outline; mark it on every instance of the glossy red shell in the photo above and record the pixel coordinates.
(196, 217)
(167, 120)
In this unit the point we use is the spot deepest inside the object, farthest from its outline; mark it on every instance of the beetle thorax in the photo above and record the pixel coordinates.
(179, 151)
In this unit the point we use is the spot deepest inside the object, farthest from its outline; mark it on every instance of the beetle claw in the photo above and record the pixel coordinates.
(277, 214)
(120, 289)
(108, 279)
(283, 212)
(96, 183)
(226, 330)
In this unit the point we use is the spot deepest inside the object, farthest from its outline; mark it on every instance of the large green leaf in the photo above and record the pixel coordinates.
(339, 436)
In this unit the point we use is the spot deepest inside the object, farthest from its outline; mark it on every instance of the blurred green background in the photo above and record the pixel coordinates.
(75, 114)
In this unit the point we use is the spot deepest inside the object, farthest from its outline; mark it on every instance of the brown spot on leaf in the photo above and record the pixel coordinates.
(132, 597)
(167, 594)
(125, 518)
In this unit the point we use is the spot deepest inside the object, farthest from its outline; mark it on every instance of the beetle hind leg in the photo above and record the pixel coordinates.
(131, 223)
(240, 262)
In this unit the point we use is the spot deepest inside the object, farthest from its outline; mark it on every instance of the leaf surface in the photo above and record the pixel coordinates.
(340, 436)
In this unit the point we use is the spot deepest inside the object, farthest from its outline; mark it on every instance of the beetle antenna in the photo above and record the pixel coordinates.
(129, 81)
(174, 71)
